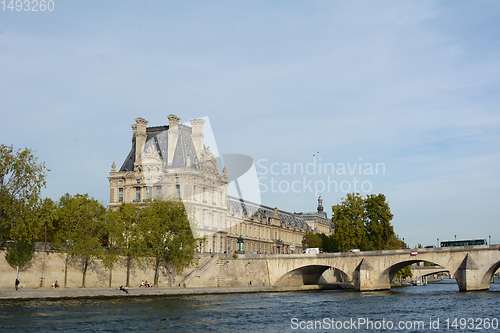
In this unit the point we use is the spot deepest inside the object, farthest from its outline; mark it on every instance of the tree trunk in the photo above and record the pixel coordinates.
(157, 267)
(129, 263)
(66, 271)
(110, 275)
(85, 265)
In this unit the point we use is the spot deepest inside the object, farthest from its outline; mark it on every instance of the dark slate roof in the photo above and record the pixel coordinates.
(288, 220)
(158, 136)
(184, 149)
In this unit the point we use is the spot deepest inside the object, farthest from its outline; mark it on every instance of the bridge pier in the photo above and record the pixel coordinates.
(469, 277)
(365, 278)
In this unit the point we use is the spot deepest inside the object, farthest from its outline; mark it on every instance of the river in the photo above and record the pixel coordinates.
(436, 307)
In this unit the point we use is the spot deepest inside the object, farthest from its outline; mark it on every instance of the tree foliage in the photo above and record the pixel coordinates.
(349, 218)
(21, 180)
(79, 230)
(364, 223)
(19, 254)
(167, 235)
(124, 237)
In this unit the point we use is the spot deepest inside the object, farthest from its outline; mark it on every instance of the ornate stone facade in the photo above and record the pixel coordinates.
(173, 161)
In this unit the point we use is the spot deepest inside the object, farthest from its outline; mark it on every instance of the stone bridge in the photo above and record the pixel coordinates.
(472, 266)
(427, 270)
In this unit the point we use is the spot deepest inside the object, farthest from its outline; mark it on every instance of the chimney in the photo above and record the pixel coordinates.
(197, 135)
(173, 136)
(140, 136)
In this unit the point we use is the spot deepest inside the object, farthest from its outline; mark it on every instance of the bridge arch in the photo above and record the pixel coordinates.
(388, 274)
(488, 276)
(307, 275)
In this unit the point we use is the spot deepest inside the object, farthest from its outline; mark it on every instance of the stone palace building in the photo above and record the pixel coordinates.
(172, 161)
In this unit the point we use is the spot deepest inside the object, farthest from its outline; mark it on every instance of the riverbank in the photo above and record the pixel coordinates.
(44, 293)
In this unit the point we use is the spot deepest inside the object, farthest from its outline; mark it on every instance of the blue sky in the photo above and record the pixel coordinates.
(412, 85)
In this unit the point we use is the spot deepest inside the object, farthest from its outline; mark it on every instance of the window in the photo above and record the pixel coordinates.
(203, 217)
(148, 192)
(137, 194)
(221, 198)
(158, 191)
(204, 198)
(221, 221)
(213, 217)
(177, 179)
(120, 182)
(213, 197)
(138, 181)
(120, 194)
(194, 192)
(177, 191)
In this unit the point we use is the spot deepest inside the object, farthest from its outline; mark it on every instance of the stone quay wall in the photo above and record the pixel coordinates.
(207, 271)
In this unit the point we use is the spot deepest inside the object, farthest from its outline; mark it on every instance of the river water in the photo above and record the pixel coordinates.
(410, 309)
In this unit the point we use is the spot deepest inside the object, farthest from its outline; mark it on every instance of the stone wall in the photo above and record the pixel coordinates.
(47, 267)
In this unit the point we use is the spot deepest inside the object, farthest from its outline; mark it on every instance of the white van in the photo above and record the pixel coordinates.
(311, 250)
(354, 250)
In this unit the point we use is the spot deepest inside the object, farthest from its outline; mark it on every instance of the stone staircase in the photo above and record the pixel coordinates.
(221, 273)
(198, 272)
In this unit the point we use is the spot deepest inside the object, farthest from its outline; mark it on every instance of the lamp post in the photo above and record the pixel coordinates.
(438, 243)
(490, 240)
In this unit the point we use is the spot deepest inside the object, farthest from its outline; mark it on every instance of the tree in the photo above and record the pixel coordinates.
(349, 219)
(19, 254)
(124, 237)
(21, 180)
(168, 238)
(313, 240)
(46, 213)
(404, 273)
(80, 230)
(364, 223)
(378, 222)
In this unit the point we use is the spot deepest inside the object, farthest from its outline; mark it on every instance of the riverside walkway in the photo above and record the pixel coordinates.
(45, 293)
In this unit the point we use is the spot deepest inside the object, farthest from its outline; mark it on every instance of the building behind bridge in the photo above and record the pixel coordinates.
(173, 161)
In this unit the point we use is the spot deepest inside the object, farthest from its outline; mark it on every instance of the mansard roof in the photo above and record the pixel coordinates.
(247, 208)
(158, 137)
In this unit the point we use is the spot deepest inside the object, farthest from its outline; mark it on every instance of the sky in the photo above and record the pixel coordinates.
(394, 97)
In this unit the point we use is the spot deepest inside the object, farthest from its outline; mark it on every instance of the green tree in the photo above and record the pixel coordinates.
(329, 243)
(79, 230)
(19, 254)
(168, 238)
(46, 213)
(21, 180)
(313, 240)
(349, 218)
(404, 273)
(124, 237)
(378, 222)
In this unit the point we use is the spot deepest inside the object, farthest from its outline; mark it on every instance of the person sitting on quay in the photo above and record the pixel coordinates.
(124, 289)
(55, 285)
(142, 283)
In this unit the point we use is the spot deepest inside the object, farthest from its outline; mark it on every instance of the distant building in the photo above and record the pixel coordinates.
(172, 161)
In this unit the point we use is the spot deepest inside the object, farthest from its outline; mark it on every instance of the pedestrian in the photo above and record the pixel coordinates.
(17, 284)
